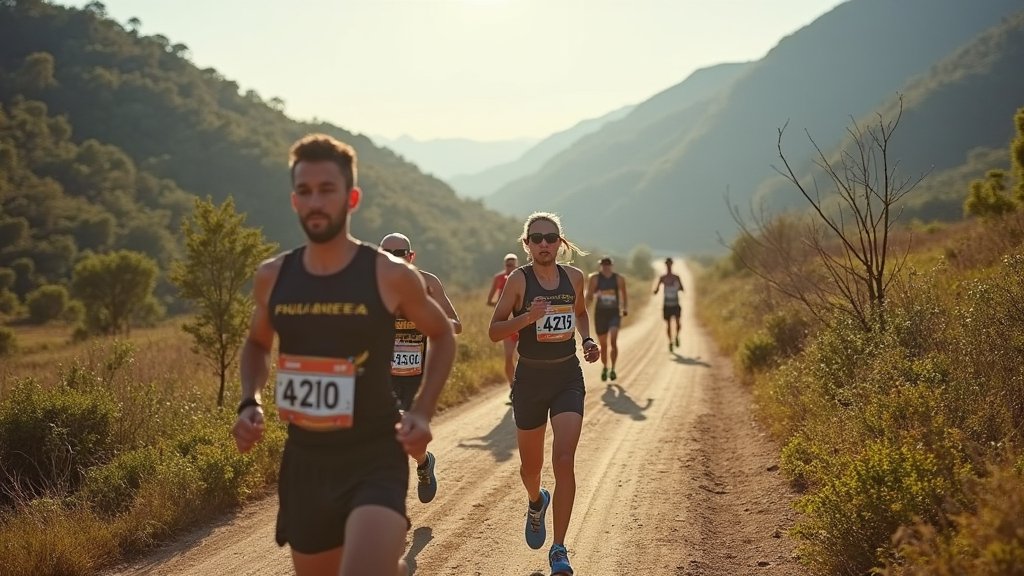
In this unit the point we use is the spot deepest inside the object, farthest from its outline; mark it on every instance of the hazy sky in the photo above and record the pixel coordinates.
(482, 69)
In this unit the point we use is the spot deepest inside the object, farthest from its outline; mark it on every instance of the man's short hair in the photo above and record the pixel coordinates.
(668, 260)
(606, 260)
(324, 148)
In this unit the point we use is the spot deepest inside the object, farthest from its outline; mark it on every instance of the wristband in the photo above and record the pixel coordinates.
(247, 402)
(587, 338)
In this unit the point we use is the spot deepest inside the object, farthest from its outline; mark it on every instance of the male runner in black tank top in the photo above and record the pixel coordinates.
(410, 350)
(332, 303)
(546, 305)
(608, 289)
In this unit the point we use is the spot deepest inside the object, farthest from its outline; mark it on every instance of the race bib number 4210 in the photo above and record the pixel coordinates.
(316, 393)
(558, 324)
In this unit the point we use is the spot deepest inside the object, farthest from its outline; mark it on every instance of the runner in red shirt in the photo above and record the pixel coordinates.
(498, 283)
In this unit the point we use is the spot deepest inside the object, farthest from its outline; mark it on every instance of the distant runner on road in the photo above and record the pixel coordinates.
(671, 308)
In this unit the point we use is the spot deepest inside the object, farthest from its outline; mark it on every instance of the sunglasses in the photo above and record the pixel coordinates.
(400, 252)
(537, 237)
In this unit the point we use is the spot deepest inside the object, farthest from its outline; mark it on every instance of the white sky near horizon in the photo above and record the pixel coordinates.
(479, 69)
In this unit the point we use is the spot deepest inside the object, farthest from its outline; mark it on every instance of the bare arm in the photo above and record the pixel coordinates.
(591, 351)
(255, 355)
(658, 284)
(502, 326)
(436, 291)
(591, 288)
(622, 290)
(494, 290)
(255, 358)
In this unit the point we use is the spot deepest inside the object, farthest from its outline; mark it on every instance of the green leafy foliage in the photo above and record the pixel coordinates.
(47, 303)
(221, 257)
(114, 288)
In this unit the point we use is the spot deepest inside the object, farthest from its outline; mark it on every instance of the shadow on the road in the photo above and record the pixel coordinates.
(500, 441)
(680, 359)
(618, 401)
(420, 537)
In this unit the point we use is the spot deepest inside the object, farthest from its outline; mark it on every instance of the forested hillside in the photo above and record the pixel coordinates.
(106, 136)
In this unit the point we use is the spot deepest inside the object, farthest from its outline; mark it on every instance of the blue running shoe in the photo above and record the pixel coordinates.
(536, 533)
(559, 559)
(426, 488)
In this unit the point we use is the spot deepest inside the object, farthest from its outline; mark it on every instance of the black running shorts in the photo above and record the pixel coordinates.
(605, 320)
(405, 388)
(320, 486)
(540, 389)
(672, 312)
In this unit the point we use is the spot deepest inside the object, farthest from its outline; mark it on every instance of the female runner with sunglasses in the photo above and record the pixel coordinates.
(546, 305)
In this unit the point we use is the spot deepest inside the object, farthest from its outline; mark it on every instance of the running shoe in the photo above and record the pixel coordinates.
(426, 488)
(536, 533)
(604, 374)
(558, 557)
(612, 375)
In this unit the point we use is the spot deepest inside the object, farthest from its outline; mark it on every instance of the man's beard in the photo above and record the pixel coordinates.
(334, 227)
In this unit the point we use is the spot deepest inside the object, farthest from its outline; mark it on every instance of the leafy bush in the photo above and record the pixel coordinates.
(9, 303)
(757, 352)
(8, 341)
(46, 303)
(111, 487)
(48, 437)
(854, 514)
(988, 541)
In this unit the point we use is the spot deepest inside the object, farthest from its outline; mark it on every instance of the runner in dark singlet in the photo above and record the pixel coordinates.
(544, 303)
(332, 304)
(410, 351)
(608, 290)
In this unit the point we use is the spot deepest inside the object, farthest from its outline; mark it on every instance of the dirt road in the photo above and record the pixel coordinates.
(673, 478)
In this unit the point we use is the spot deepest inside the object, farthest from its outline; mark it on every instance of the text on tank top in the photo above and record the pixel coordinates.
(335, 339)
(410, 348)
(552, 336)
(607, 292)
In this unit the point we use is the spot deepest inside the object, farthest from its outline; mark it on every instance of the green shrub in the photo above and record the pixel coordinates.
(8, 341)
(788, 330)
(74, 313)
(46, 303)
(110, 488)
(849, 521)
(757, 352)
(48, 437)
(986, 541)
(9, 303)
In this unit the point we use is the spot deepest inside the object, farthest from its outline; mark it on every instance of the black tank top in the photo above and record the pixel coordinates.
(553, 336)
(340, 315)
(607, 292)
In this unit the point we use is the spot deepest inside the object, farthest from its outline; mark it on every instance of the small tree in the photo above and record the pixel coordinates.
(221, 255)
(113, 288)
(46, 303)
(988, 197)
(849, 230)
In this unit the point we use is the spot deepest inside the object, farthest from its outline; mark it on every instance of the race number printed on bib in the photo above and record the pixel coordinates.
(558, 324)
(607, 298)
(316, 393)
(407, 359)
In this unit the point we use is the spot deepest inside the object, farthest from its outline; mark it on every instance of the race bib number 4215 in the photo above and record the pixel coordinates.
(316, 393)
(558, 324)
